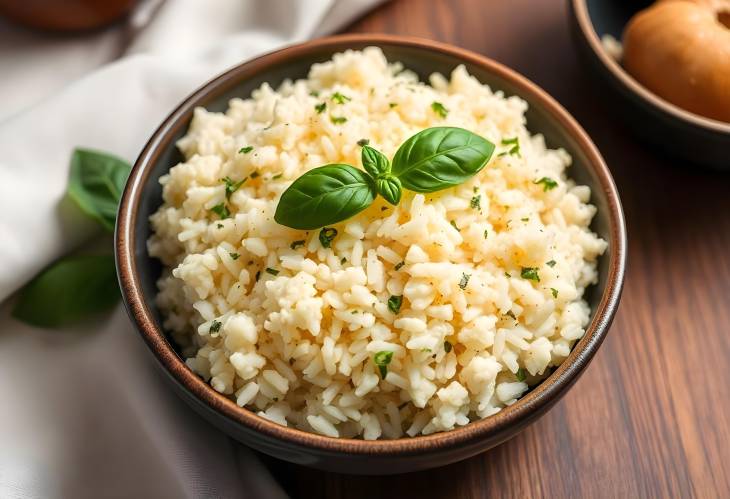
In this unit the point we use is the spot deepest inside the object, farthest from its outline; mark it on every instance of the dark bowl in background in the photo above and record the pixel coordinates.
(138, 272)
(696, 140)
(65, 16)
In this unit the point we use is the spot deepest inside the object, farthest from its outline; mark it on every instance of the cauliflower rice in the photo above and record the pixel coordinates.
(492, 272)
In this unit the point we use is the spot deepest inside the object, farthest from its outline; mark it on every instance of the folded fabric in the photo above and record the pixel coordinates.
(84, 412)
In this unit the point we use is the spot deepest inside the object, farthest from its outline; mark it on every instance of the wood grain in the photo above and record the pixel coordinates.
(651, 415)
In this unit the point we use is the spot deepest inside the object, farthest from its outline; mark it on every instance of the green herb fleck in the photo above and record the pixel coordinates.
(511, 314)
(258, 275)
(234, 256)
(521, 375)
(339, 98)
(231, 186)
(551, 263)
(297, 244)
(554, 292)
(221, 210)
(464, 282)
(271, 271)
(343, 260)
(314, 93)
(547, 183)
(215, 326)
(476, 202)
(526, 219)
(486, 233)
(326, 235)
(276, 177)
(320, 108)
(439, 109)
(392, 104)
(447, 346)
(363, 142)
(394, 303)
(453, 224)
(338, 120)
(382, 359)
(507, 274)
(220, 226)
(245, 150)
(515, 149)
(530, 273)
(399, 265)
(255, 174)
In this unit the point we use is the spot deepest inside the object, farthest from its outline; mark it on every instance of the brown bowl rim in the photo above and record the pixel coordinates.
(580, 9)
(518, 414)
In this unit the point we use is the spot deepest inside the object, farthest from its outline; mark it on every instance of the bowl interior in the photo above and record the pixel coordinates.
(609, 17)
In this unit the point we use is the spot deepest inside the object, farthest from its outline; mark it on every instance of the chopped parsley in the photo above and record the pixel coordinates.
(453, 224)
(399, 265)
(394, 303)
(363, 142)
(232, 186)
(554, 292)
(339, 98)
(234, 256)
(526, 219)
(255, 174)
(382, 359)
(277, 176)
(486, 233)
(271, 271)
(530, 273)
(515, 149)
(320, 108)
(343, 260)
(314, 93)
(338, 120)
(215, 326)
(476, 202)
(521, 375)
(547, 183)
(551, 263)
(392, 105)
(258, 275)
(507, 274)
(464, 282)
(297, 244)
(439, 109)
(245, 150)
(221, 210)
(511, 314)
(447, 346)
(326, 235)
(220, 226)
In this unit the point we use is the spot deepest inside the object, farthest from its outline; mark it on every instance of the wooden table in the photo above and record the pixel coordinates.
(651, 415)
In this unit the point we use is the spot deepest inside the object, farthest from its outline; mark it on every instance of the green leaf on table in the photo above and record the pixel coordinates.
(96, 183)
(70, 290)
(439, 158)
(325, 196)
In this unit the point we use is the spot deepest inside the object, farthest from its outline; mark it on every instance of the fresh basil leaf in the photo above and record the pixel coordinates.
(96, 183)
(325, 196)
(439, 158)
(389, 187)
(71, 289)
(374, 161)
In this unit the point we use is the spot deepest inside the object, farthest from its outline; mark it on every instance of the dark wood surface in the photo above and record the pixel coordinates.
(651, 415)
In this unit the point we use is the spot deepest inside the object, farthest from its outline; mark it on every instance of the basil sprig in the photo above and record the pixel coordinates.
(75, 287)
(431, 160)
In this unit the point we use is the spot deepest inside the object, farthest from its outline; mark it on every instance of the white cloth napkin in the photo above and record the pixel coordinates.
(84, 413)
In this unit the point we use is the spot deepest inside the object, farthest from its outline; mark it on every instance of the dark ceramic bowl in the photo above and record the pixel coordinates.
(697, 140)
(138, 271)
